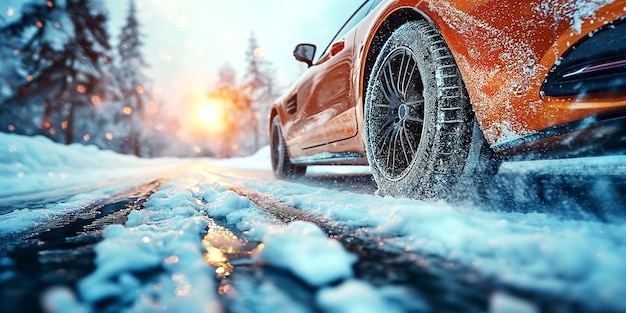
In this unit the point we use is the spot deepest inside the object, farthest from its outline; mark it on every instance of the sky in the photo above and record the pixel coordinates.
(188, 41)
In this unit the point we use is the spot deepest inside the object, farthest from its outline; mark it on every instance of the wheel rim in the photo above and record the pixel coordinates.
(396, 114)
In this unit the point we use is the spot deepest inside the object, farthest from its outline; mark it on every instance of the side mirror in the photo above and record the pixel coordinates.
(305, 52)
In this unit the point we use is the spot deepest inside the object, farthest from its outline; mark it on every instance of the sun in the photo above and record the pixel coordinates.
(211, 114)
(208, 113)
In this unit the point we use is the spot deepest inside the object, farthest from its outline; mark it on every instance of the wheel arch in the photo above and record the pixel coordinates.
(384, 31)
(273, 113)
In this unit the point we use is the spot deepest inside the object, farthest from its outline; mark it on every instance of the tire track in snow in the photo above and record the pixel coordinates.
(60, 252)
(446, 286)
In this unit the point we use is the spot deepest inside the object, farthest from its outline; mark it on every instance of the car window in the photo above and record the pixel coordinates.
(356, 17)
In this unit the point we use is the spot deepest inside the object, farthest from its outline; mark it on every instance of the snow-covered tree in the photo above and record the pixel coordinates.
(133, 82)
(10, 79)
(63, 46)
(227, 88)
(226, 78)
(259, 88)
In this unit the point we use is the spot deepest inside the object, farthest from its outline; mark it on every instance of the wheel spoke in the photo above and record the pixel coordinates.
(409, 138)
(387, 128)
(400, 82)
(406, 156)
(383, 105)
(392, 83)
(387, 122)
(384, 126)
(408, 81)
(414, 119)
(414, 103)
(396, 139)
(391, 151)
(388, 91)
(380, 143)
(387, 118)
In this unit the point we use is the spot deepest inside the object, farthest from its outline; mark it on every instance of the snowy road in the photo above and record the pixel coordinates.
(224, 236)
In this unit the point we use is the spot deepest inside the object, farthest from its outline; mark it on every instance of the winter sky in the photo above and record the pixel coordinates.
(187, 41)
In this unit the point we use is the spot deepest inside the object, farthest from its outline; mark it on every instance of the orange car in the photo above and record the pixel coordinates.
(434, 93)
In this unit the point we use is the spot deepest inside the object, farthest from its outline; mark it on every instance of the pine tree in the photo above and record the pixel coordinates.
(10, 80)
(63, 47)
(132, 80)
(259, 89)
(235, 117)
(18, 45)
(226, 78)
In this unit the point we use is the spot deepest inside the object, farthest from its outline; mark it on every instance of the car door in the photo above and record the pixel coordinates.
(326, 98)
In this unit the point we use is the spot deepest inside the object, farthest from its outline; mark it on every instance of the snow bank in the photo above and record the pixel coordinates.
(33, 168)
(259, 160)
(34, 164)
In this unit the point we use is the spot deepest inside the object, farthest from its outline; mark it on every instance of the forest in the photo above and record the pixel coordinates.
(61, 77)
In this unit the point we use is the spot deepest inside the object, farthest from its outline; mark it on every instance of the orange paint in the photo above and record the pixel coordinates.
(505, 50)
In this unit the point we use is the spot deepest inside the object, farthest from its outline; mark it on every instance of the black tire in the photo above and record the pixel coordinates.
(281, 166)
(419, 123)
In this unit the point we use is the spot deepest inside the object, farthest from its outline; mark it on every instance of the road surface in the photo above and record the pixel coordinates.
(60, 251)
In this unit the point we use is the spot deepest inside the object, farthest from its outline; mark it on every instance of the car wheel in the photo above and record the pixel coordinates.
(421, 136)
(281, 166)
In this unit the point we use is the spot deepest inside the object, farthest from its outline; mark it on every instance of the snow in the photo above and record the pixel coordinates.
(305, 250)
(576, 259)
(30, 165)
(505, 303)
(575, 12)
(354, 296)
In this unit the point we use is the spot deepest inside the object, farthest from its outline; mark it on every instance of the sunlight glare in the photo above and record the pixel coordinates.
(211, 114)
(208, 113)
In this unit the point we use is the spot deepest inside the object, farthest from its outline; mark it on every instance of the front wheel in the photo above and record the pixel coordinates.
(281, 165)
(419, 126)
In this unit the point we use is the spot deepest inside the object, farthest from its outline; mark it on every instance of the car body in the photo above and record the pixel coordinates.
(544, 78)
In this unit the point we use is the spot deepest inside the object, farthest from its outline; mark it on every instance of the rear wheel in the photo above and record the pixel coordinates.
(422, 138)
(281, 165)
